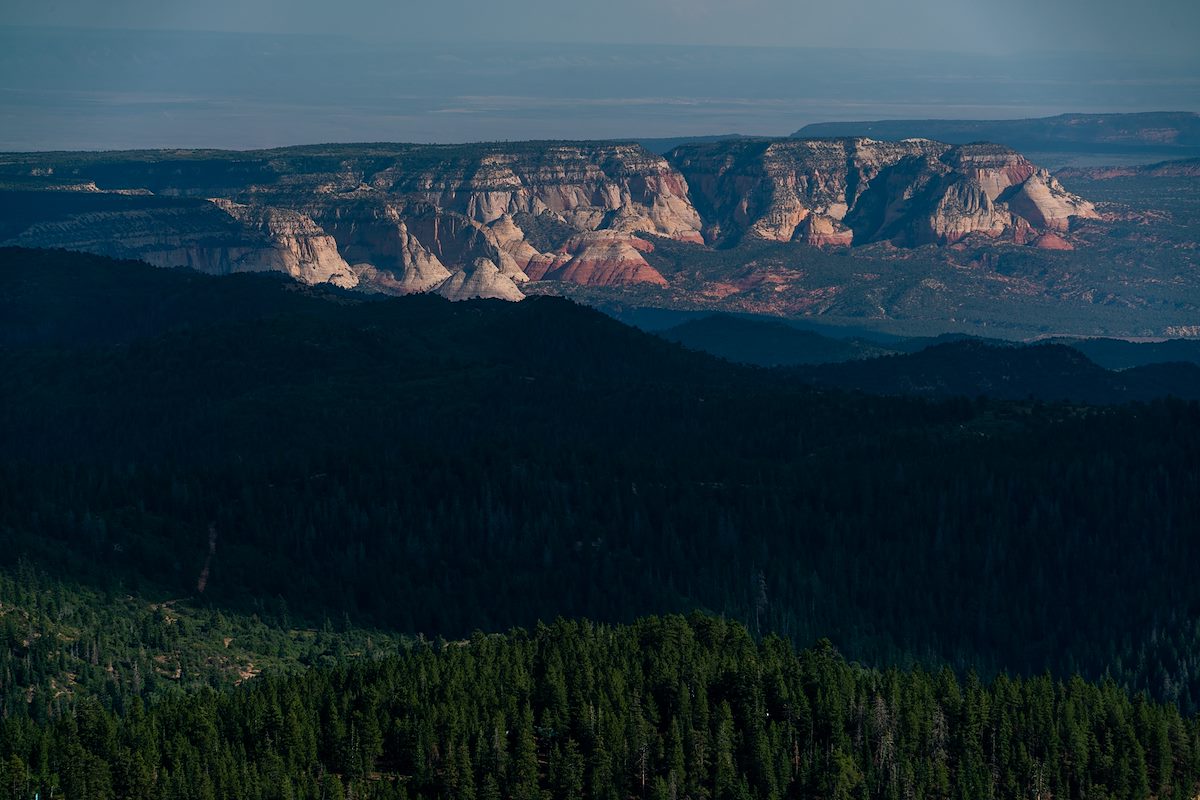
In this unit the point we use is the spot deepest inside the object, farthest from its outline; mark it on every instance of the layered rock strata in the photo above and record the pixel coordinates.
(421, 218)
(842, 191)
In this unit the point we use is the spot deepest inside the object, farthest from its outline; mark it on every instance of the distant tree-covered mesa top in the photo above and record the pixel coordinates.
(1175, 132)
(666, 708)
(481, 220)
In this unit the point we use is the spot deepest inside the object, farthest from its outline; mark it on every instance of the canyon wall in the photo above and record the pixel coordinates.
(857, 191)
(483, 220)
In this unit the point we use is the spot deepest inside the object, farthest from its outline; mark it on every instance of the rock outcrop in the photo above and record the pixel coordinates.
(302, 249)
(1046, 204)
(449, 218)
(194, 234)
(375, 239)
(511, 239)
(599, 258)
(842, 191)
(590, 186)
(393, 218)
(482, 279)
(1052, 241)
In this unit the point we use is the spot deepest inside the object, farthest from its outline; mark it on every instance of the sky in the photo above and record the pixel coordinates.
(1115, 26)
(119, 74)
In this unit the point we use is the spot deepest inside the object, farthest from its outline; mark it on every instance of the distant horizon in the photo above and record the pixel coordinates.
(79, 88)
(608, 140)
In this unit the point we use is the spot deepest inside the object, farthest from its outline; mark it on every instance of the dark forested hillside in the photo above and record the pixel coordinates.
(422, 466)
(768, 343)
(1044, 371)
(1118, 354)
(665, 708)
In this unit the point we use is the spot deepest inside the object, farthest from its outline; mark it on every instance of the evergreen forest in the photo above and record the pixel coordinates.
(260, 540)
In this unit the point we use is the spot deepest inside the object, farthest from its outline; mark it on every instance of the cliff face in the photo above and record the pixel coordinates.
(419, 218)
(839, 191)
(393, 218)
(198, 235)
(299, 246)
(589, 186)
(599, 258)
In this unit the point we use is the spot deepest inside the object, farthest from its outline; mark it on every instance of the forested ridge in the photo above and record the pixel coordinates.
(664, 708)
(427, 467)
(238, 517)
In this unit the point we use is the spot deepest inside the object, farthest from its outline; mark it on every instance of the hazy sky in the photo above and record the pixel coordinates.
(86, 74)
(1120, 26)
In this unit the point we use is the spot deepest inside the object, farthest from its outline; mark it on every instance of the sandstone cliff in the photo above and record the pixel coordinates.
(392, 218)
(1046, 204)
(598, 258)
(838, 191)
(590, 186)
(481, 279)
(219, 238)
(482, 220)
(197, 235)
(375, 239)
(300, 247)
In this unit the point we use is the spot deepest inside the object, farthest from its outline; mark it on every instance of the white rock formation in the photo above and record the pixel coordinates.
(483, 279)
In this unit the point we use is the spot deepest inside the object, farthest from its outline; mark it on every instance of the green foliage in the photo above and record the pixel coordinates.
(662, 708)
(60, 642)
